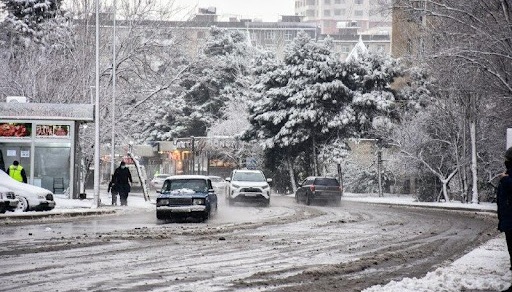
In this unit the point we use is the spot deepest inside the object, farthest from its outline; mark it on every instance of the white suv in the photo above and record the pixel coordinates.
(248, 186)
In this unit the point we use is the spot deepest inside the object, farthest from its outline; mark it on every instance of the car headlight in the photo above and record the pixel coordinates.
(198, 202)
(163, 202)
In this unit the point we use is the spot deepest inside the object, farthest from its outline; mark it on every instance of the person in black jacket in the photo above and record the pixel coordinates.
(123, 178)
(504, 200)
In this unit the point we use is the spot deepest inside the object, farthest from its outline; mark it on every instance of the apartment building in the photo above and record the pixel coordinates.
(331, 15)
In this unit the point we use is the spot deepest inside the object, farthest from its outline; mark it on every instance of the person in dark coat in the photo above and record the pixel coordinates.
(123, 178)
(113, 190)
(504, 200)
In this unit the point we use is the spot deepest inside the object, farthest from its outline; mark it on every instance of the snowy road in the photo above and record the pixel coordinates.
(287, 247)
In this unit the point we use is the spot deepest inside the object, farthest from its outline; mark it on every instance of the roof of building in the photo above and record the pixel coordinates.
(46, 111)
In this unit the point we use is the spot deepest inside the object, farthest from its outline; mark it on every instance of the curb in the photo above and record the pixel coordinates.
(29, 216)
(435, 207)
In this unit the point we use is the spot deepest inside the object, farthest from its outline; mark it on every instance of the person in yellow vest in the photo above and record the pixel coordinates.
(17, 172)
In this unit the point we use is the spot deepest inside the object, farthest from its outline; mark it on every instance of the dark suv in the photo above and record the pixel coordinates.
(316, 188)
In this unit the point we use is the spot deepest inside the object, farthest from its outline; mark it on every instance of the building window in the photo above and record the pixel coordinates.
(345, 49)
(269, 35)
(288, 35)
(358, 13)
(359, 2)
(327, 12)
(337, 12)
(327, 2)
(310, 13)
(311, 2)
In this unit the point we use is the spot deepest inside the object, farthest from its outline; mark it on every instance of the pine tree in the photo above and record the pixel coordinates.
(39, 21)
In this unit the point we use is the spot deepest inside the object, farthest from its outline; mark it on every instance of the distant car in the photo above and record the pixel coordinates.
(8, 200)
(315, 189)
(248, 186)
(158, 181)
(219, 184)
(184, 196)
(31, 197)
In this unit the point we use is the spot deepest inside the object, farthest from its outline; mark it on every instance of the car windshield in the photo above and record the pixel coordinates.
(249, 176)
(198, 185)
(326, 182)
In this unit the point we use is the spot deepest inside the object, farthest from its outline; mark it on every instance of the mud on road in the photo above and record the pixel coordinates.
(287, 247)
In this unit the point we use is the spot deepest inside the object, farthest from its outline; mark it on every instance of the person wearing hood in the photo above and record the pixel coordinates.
(123, 179)
(504, 201)
(17, 172)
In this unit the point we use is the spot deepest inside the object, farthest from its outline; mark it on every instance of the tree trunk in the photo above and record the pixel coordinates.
(292, 175)
(315, 161)
(474, 163)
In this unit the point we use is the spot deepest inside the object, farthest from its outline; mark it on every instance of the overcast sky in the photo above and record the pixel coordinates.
(267, 10)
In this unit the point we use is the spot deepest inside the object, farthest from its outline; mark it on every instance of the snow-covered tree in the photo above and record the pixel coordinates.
(41, 22)
(311, 98)
(207, 84)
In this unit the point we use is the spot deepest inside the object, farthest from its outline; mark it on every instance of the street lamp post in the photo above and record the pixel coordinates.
(97, 112)
(113, 110)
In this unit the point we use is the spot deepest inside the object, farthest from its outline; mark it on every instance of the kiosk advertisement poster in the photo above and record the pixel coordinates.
(15, 130)
(52, 131)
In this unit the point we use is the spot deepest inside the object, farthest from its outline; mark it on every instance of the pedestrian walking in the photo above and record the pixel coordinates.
(17, 172)
(123, 178)
(113, 190)
(504, 200)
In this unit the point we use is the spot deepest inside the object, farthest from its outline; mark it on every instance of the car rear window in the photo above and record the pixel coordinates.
(326, 182)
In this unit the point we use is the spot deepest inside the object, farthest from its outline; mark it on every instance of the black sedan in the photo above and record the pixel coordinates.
(316, 189)
(184, 196)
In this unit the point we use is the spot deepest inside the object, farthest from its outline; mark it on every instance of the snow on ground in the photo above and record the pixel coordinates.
(486, 268)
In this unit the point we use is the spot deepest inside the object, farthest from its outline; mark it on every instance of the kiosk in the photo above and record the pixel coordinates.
(44, 139)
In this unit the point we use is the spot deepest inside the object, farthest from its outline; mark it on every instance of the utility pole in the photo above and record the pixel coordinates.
(379, 170)
(193, 155)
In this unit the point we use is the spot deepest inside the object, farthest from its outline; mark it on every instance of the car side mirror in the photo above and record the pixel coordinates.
(269, 180)
(228, 179)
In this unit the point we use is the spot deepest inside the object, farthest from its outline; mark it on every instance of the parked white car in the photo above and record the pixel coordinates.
(8, 200)
(30, 197)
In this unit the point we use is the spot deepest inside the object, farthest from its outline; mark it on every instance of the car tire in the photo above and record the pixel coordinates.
(267, 203)
(23, 204)
(160, 215)
(308, 200)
